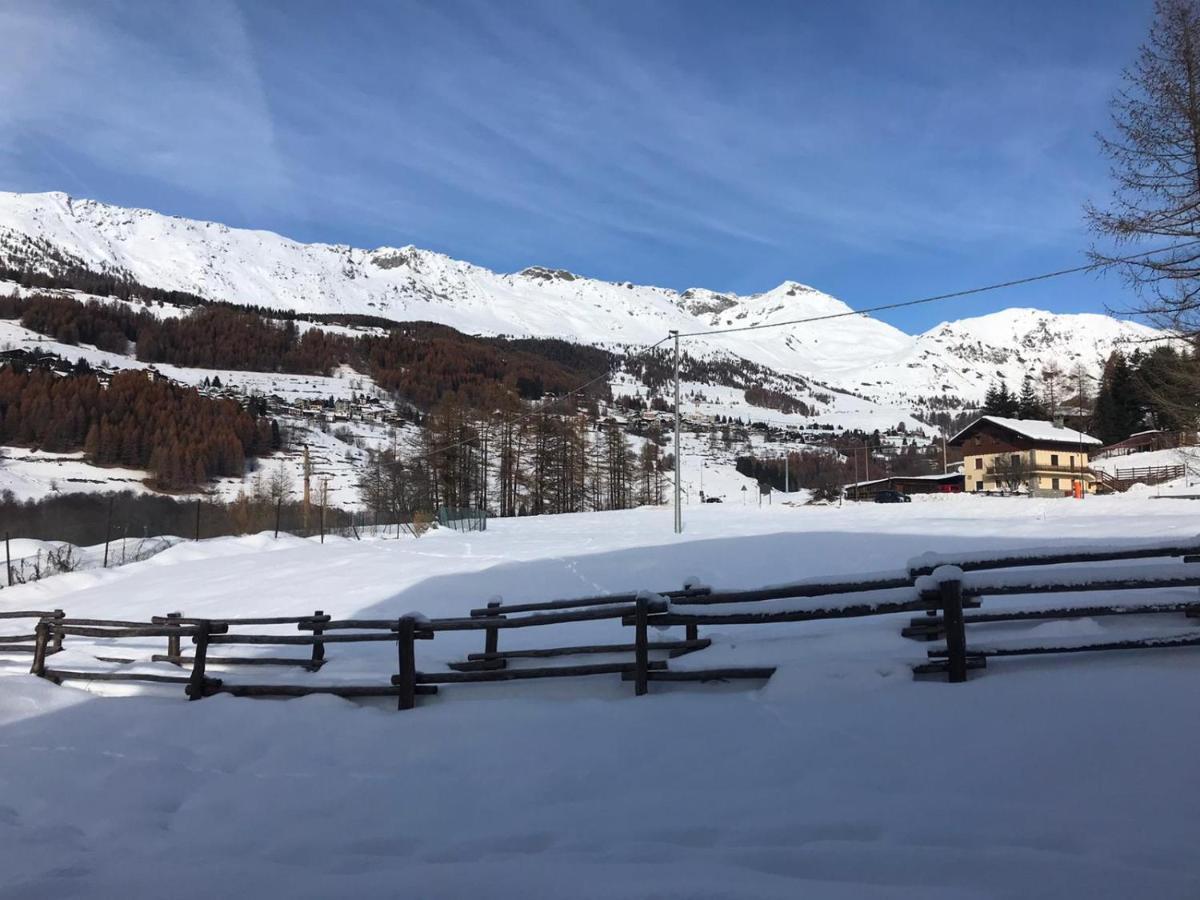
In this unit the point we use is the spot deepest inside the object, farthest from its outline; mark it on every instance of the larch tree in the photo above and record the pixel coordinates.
(1154, 151)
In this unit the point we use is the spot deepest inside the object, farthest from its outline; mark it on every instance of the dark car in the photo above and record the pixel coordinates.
(892, 497)
(712, 499)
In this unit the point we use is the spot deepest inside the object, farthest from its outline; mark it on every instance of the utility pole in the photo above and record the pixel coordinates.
(678, 508)
(857, 489)
(307, 487)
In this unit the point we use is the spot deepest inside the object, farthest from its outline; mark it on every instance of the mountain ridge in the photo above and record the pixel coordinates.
(262, 268)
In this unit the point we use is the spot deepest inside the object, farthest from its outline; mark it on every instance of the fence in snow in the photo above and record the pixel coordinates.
(942, 587)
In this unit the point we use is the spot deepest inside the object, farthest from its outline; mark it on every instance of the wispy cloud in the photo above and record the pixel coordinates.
(148, 91)
(682, 142)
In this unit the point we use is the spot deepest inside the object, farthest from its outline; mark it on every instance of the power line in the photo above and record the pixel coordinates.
(854, 312)
(953, 295)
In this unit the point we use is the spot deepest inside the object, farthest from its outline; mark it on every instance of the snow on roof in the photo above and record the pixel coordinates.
(1035, 430)
(937, 477)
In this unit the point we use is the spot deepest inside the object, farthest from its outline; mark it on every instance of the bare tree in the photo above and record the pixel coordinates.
(1011, 471)
(1155, 157)
(278, 487)
(1052, 387)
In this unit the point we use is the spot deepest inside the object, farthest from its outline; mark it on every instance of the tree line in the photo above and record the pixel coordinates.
(514, 461)
(180, 436)
(420, 362)
(1146, 389)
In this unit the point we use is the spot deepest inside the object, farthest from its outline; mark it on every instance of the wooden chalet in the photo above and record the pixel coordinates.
(1002, 455)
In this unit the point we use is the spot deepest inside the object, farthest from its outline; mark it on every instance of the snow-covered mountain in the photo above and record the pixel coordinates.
(852, 353)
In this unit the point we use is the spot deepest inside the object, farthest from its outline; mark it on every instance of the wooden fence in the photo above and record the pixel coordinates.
(941, 586)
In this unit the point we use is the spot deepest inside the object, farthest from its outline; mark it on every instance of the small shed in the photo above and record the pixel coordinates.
(950, 483)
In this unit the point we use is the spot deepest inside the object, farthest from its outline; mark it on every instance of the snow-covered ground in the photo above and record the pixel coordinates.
(842, 777)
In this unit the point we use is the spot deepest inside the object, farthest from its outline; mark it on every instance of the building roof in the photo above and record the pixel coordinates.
(1034, 429)
(940, 476)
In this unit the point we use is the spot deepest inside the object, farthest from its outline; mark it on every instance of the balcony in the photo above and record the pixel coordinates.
(1025, 470)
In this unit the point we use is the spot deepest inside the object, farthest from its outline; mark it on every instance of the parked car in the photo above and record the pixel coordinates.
(892, 497)
(712, 500)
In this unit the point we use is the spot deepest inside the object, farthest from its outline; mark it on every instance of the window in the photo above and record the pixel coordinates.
(1016, 459)
(1072, 462)
(979, 485)
(979, 462)
(1054, 484)
(1054, 459)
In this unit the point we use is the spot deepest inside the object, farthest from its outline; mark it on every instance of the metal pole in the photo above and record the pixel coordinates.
(678, 507)
(7, 560)
(787, 489)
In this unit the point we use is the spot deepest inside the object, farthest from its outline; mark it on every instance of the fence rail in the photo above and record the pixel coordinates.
(942, 586)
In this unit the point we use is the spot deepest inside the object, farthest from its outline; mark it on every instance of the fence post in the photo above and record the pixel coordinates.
(491, 635)
(173, 648)
(7, 559)
(56, 644)
(195, 687)
(408, 663)
(108, 530)
(39, 649)
(278, 508)
(197, 520)
(318, 647)
(641, 649)
(956, 634)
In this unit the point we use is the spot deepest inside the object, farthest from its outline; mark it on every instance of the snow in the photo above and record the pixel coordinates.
(1035, 429)
(925, 560)
(892, 370)
(840, 778)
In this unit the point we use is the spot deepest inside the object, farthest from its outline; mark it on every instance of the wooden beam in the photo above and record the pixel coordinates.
(1115, 584)
(407, 677)
(641, 653)
(761, 618)
(181, 660)
(719, 674)
(196, 683)
(548, 652)
(1189, 640)
(520, 674)
(302, 690)
(956, 635)
(576, 603)
(65, 674)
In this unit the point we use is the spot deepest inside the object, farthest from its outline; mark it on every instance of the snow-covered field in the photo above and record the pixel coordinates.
(842, 777)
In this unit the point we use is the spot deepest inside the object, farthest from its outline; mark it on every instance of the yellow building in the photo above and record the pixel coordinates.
(1024, 455)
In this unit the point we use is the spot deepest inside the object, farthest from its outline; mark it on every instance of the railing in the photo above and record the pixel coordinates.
(1123, 479)
(1150, 474)
(1025, 470)
(947, 584)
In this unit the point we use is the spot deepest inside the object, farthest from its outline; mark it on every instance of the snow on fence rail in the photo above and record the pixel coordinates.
(930, 583)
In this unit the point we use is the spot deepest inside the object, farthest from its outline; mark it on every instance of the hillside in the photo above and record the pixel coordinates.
(955, 360)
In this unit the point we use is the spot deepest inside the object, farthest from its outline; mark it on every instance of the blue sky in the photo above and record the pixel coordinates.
(878, 151)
